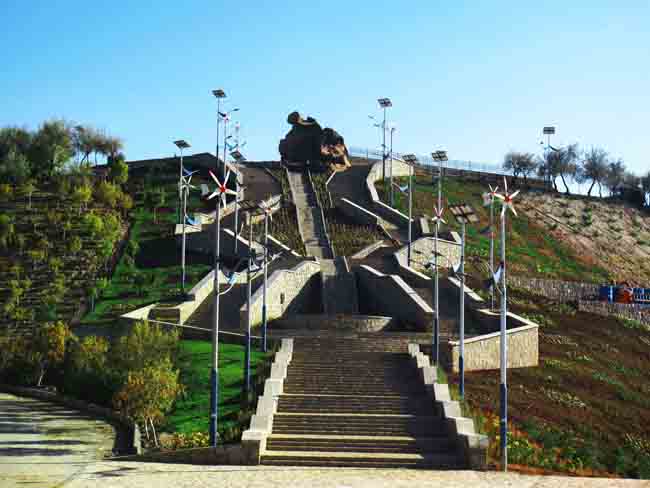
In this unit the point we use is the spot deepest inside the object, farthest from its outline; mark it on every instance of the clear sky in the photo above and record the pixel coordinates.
(475, 78)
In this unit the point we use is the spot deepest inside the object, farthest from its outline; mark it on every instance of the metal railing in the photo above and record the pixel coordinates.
(428, 163)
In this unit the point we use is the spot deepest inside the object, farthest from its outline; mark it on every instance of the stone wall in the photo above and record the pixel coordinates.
(203, 242)
(563, 291)
(287, 292)
(326, 323)
(620, 310)
(381, 209)
(357, 212)
(389, 295)
(483, 352)
(422, 252)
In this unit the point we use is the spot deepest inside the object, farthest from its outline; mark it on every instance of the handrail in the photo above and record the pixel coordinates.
(322, 214)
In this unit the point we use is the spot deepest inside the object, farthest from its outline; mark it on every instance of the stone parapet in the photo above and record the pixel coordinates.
(335, 323)
(472, 447)
(562, 291)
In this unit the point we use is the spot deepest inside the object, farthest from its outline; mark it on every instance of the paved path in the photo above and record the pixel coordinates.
(43, 444)
(137, 475)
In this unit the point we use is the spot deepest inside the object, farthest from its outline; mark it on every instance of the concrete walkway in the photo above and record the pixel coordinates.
(43, 444)
(137, 475)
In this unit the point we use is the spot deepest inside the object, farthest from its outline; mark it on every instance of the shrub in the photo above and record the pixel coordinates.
(149, 393)
(145, 345)
(93, 224)
(47, 348)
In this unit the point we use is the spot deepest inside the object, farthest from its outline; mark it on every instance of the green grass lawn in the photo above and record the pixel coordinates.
(191, 412)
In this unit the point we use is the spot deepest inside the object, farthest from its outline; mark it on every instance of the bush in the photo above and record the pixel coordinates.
(145, 345)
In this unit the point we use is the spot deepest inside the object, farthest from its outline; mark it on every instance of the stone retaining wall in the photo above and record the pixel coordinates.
(325, 323)
(380, 208)
(483, 352)
(287, 291)
(620, 310)
(563, 291)
(422, 252)
(390, 295)
(357, 212)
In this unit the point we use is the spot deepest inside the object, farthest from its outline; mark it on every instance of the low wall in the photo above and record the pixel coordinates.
(381, 209)
(389, 295)
(563, 291)
(422, 252)
(232, 454)
(483, 352)
(287, 291)
(326, 323)
(620, 310)
(368, 250)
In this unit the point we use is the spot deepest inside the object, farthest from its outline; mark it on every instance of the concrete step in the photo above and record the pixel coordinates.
(360, 459)
(346, 443)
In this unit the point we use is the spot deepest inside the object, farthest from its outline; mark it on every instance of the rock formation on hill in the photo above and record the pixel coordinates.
(307, 141)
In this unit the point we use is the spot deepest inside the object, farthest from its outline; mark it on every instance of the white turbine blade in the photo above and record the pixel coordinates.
(503, 210)
(499, 196)
(505, 185)
(225, 181)
(223, 200)
(512, 207)
(515, 194)
(442, 220)
(212, 195)
(230, 192)
(216, 180)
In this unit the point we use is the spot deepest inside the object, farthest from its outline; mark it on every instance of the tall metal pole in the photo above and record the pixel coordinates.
(492, 249)
(214, 377)
(247, 359)
(436, 316)
(266, 251)
(503, 393)
(383, 149)
(392, 199)
(180, 187)
(410, 210)
(461, 358)
(183, 246)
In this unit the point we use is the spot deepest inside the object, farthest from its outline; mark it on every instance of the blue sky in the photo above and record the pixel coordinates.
(475, 78)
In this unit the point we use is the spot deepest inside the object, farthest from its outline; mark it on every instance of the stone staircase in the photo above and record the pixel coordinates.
(312, 227)
(339, 287)
(353, 402)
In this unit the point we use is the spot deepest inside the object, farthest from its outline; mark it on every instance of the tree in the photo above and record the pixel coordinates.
(560, 162)
(521, 164)
(148, 394)
(14, 167)
(93, 224)
(145, 345)
(112, 226)
(28, 188)
(56, 264)
(16, 139)
(48, 347)
(82, 196)
(615, 176)
(51, 148)
(114, 146)
(594, 169)
(75, 245)
(7, 231)
(119, 171)
(107, 194)
(6, 192)
(90, 355)
(125, 203)
(106, 251)
(156, 199)
(66, 227)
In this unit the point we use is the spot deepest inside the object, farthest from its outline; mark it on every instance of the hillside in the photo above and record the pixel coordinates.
(531, 249)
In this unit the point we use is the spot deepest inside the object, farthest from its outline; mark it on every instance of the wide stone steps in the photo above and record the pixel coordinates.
(374, 444)
(360, 459)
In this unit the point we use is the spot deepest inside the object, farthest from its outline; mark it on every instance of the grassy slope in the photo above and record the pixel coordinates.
(158, 258)
(531, 250)
(190, 414)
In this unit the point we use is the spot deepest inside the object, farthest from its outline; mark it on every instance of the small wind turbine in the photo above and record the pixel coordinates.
(508, 203)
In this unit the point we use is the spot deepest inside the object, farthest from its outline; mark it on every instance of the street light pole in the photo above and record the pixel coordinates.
(219, 95)
(439, 156)
(410, 160)
(182, 193)
(247, 359)
(384, 103)
(464, 214)
(220, 193)
(266, 256)
(392, 197)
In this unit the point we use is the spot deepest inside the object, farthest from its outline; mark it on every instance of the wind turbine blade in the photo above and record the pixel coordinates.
(503, 210)
(505, 185)
(231, 192)
(515, 194)
(225, 181)
(211, 196)
(512, 207)
(216, 180)
(499, 196)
